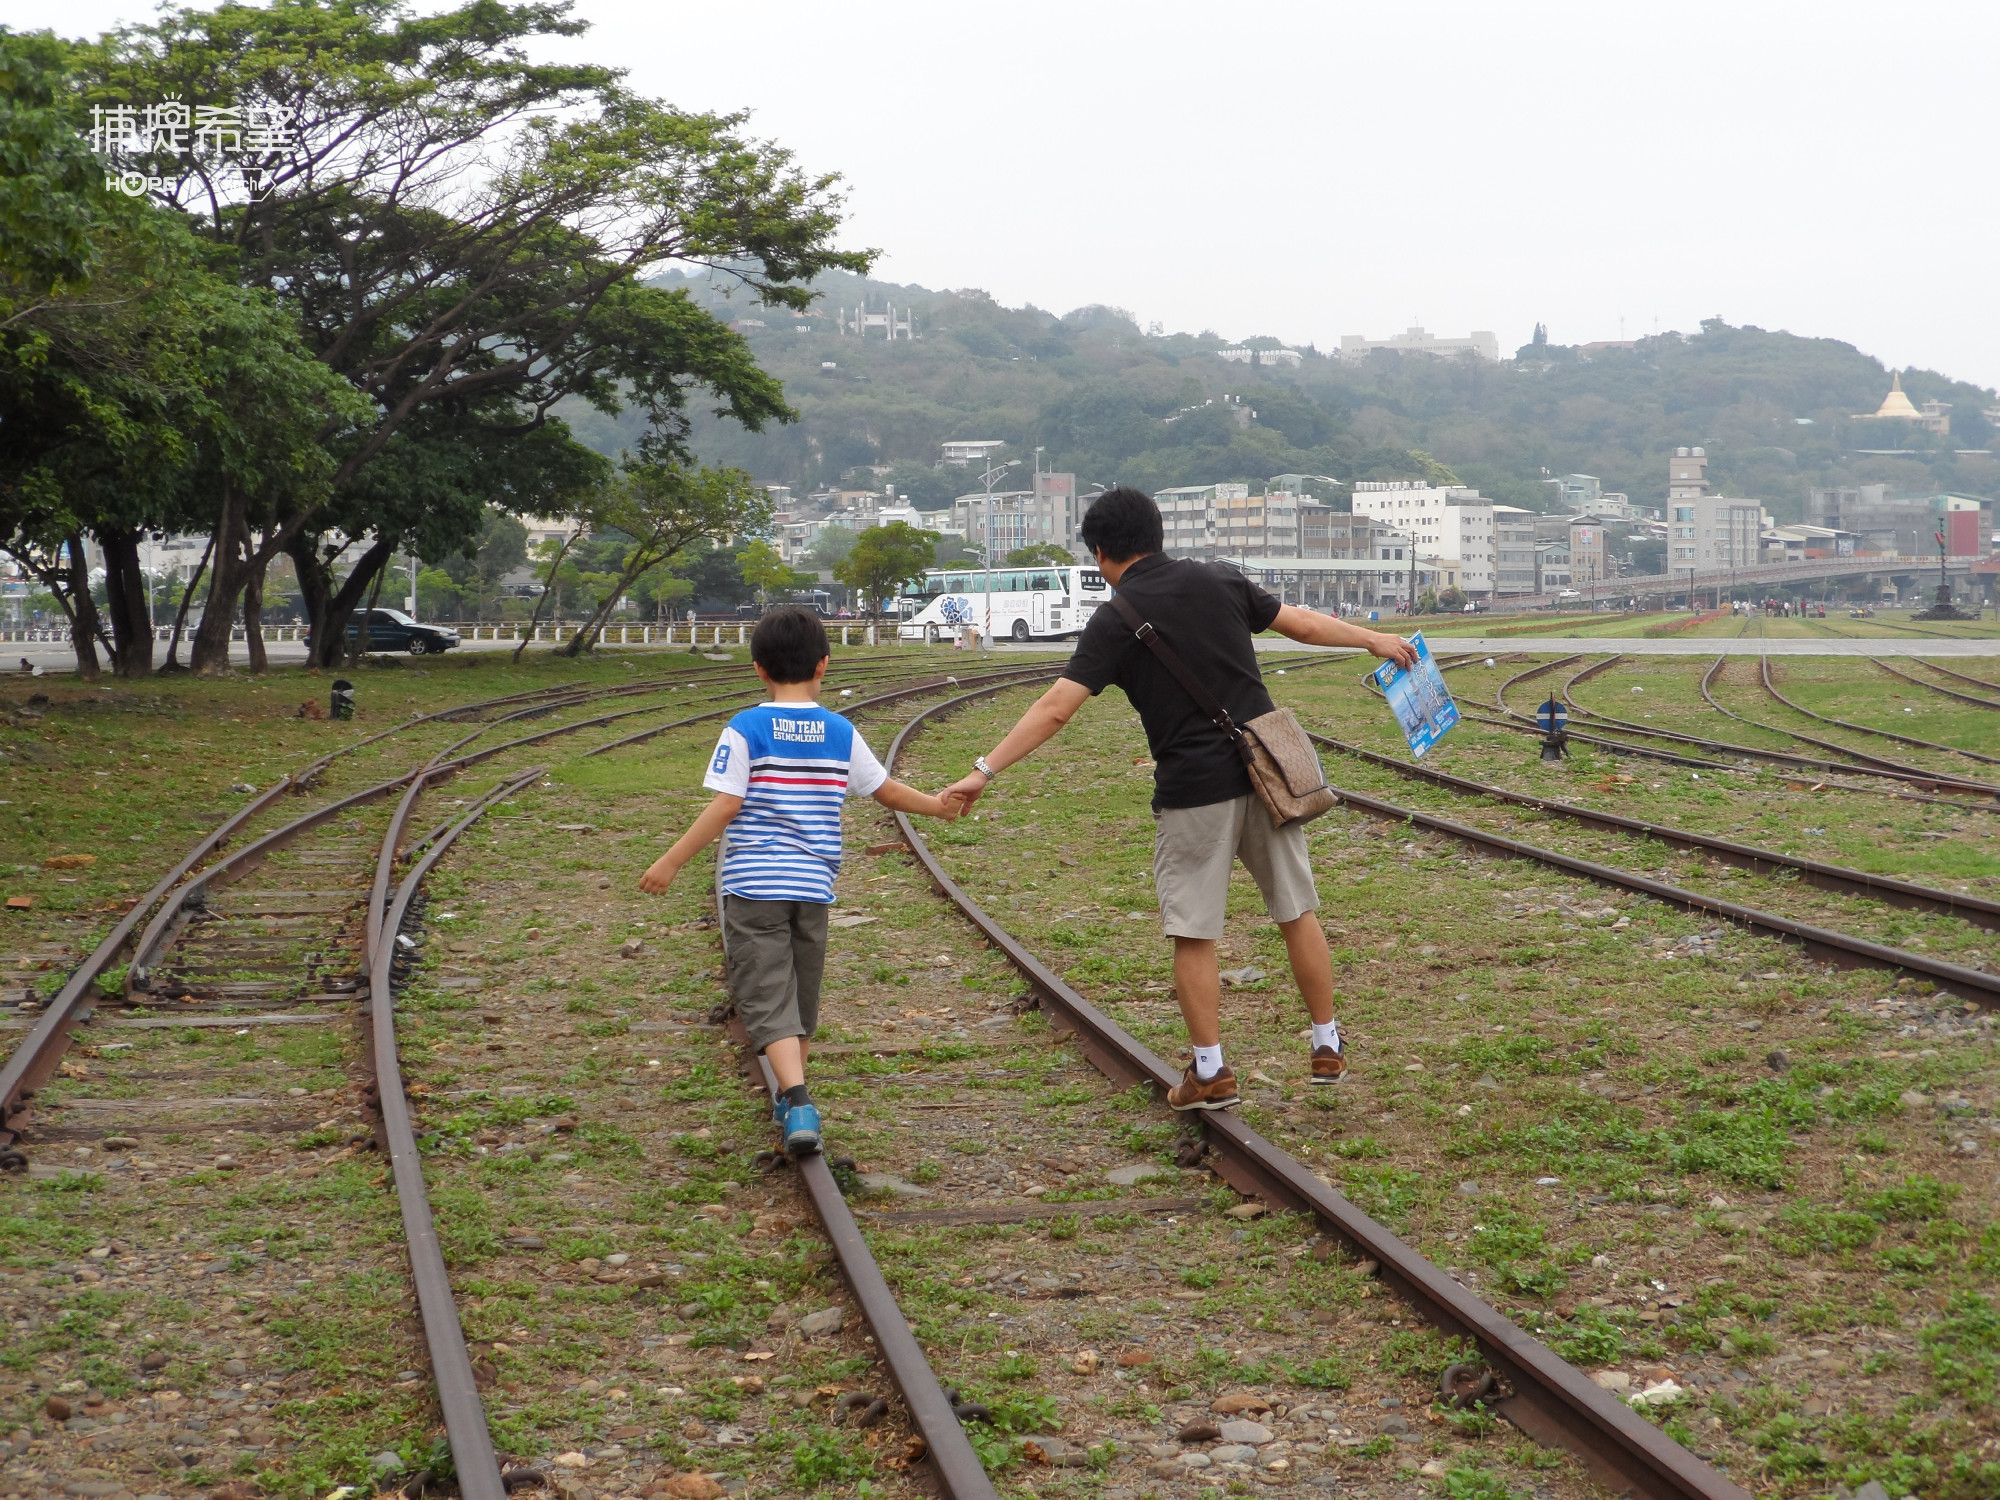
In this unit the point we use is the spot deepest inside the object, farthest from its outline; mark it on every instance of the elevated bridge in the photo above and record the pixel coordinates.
(1873, 567)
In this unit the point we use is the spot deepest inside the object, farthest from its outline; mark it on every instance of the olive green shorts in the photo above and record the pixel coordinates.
(776, 956)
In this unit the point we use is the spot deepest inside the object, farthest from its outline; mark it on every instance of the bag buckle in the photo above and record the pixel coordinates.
(1145, 629)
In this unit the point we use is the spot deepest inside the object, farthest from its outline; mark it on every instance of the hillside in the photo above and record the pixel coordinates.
(1115, 403)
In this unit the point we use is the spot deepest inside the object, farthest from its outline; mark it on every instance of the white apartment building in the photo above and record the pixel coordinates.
(1445, 522)
(1712, 531)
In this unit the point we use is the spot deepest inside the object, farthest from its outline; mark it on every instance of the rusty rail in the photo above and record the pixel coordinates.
(1934, 687)
(1885, 888)
(472, 1453)
(1764, 674)
(1554, 1402)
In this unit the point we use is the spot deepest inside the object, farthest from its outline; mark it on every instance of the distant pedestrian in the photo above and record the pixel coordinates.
(780, 772)
(1206, 816)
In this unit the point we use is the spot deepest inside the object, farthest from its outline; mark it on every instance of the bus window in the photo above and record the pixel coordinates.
(1090, 580)
(957, 584)
(1044, 582)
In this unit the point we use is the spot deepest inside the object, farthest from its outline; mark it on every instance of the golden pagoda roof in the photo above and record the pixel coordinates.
(1895, 404)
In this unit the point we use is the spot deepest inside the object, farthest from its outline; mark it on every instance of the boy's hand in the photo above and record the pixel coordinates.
(659, 875)
(943, 806)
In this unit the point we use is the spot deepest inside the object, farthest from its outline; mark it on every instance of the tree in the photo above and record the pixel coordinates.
(663, 509)
(885, 558)
(831, 549)
(1042, 553)
(459, 229)
(764, 570)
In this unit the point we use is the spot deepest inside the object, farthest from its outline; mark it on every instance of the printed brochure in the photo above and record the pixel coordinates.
(1419, 697)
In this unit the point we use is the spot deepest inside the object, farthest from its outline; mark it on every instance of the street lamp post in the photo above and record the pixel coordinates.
(993, 472)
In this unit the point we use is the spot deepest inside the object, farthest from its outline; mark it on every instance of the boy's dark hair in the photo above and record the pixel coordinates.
(1123, 523)
(789, 643)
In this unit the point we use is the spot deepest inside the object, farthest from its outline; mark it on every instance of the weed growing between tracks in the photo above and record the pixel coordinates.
(1665, 1146)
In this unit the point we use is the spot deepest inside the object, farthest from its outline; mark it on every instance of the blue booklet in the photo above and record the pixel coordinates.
(1421, 701)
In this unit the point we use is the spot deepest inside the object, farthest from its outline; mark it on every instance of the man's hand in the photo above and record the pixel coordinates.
(963, 793)
(1392, 648)
(659, 875)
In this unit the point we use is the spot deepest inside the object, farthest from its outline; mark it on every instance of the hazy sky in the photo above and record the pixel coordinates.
(1314, 169)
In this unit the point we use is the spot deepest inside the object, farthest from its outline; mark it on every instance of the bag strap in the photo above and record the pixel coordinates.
(1142, 629)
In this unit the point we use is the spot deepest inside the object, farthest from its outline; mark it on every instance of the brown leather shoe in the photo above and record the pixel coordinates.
(1328, 1065)
(1218, 1092)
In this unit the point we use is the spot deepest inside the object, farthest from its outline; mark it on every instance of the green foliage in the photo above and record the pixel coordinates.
(1462, 1483)
(1327, 1373)
(824, 1458)
(1422, 1354)
(884, 558)
(1962, 1350)
(1111, 401)
(1040, 553)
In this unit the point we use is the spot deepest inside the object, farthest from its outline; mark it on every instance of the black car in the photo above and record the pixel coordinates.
(392, 630)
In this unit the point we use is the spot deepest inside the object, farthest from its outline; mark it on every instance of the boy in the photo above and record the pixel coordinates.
(779, 773)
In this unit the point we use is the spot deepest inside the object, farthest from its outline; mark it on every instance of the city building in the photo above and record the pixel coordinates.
(1290, 357)
(1933, 416)
(1514, 563)
(894, 325)
(1687, 474)
(1444, 521)
(1710, 532)
(1802, 543)
(1576, 491)
(1057, 492)
(1021, 518)
(1589, 547)
(1187, 516)
(1552, 567)
(974, 450)
(1482, 344)
(1904, 524)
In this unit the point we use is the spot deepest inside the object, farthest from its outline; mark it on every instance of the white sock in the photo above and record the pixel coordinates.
(1326, 1036)
(1207, 1062)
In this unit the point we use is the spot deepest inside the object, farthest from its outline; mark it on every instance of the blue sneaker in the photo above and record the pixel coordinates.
(778, 1108)
(801, 1129)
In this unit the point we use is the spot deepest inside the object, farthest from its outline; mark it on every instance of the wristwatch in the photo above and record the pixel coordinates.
(979, 765)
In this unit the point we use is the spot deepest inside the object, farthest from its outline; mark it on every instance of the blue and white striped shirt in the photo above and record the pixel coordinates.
(792, 764)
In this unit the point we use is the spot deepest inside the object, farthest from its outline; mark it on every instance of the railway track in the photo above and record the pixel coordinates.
(1548, 1399)
(1976, 702)
(211, 947)
(1857, 766)
(1771, 689)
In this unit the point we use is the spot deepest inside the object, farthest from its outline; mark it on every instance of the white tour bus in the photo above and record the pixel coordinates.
(1026, 604)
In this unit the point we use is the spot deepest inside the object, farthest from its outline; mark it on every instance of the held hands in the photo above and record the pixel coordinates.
(659, 875)
(963, 793)
(1394, 648)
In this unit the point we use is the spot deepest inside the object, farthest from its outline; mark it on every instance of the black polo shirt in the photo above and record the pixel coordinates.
(1206, 613)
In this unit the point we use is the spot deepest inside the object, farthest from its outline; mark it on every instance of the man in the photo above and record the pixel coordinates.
(1205, 815)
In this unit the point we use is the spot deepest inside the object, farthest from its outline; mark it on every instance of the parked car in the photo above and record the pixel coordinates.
(392, 630)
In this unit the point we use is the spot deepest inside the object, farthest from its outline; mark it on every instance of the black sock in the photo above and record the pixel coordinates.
(797, 1094)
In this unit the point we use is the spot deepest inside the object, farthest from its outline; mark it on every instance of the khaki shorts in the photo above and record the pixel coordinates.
(776, 956)
(1194, 848)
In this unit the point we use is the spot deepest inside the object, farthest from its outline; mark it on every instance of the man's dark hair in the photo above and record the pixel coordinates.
(789, 643)
(1123, 523)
